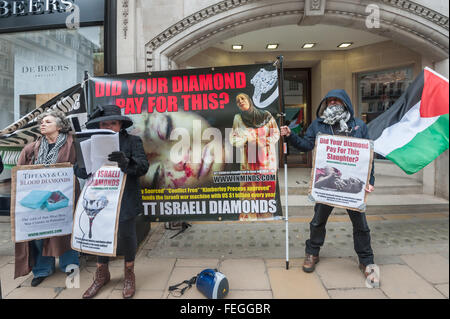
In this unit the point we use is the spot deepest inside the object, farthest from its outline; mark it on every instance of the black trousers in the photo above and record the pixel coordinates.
(361, 233)
(126, 241)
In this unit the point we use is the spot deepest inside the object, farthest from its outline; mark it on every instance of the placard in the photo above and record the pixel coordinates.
(42, 198)
(97, 212)
(341, 171)
(207, 162)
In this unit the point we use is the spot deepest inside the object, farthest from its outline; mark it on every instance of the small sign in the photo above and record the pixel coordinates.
(341, 171)
(97, 212)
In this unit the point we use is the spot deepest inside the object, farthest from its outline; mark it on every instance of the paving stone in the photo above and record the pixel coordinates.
(432, 267)
(295, 284)
(443, 288)
(340, 273)
(140, 294)
(32, 293)
(8, 281)
(281, 263)
(249, 294)
(152, 273)
(6, 260)
(387, 260)
(358, 293)
(179, 275)
(268, 239)
(245, 274)
(398, 217)
(401, 282)
(205, 263)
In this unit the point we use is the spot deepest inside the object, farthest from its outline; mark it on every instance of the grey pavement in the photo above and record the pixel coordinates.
(268, 239)
(252, 256)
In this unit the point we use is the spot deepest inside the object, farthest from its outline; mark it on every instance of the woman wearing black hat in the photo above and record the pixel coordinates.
(132, 161)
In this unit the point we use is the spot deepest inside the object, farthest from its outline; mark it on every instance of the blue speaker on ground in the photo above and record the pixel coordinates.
(212, 284)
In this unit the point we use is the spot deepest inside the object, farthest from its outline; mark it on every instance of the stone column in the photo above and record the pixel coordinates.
(126, 36)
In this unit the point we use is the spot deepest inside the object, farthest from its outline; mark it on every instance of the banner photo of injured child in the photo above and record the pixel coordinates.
(41, 201)
(341, 171)
(210, 136)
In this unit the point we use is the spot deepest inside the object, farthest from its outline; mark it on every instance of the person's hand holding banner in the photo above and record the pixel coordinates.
(120, 158)
(369, 188)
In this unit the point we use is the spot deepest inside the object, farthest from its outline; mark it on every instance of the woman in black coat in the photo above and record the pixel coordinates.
(132, 161)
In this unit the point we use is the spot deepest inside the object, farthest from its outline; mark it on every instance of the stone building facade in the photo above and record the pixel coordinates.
(163, 35)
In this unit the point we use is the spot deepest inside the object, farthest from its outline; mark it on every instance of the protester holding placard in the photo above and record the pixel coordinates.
(132, 161)
(335, 116)
(55, 146)
(255, 132)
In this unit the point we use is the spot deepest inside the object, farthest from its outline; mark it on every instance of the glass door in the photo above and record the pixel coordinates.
(297, 99)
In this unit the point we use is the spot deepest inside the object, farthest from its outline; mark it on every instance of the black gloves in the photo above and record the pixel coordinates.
(120, 158)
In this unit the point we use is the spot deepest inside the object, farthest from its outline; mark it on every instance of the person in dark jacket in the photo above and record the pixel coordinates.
(132, 161)
(335, 116)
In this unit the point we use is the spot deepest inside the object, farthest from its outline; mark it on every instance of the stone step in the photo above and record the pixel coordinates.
(384, 185)
(300, 205)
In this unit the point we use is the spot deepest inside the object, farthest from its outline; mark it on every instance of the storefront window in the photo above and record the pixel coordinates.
(377, 91)
(36, 66)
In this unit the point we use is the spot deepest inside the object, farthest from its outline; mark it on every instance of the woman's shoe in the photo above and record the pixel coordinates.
(102, 277)
(129, 283)
(36, 281)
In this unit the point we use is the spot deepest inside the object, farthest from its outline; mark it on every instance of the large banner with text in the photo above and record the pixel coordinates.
(210, 136)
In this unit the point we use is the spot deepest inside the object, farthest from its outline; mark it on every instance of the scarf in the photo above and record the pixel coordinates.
(46, 157)
(254, 117)
(336, 114)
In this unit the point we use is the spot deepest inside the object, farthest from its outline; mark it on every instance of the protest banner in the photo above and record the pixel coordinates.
(341, 171)
(97, 212)
(42, 201)
(207, 162)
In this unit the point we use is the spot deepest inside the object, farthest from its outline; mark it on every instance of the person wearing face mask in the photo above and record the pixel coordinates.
(132, 161)
(255, 132)
(335, 116)
(55, 146)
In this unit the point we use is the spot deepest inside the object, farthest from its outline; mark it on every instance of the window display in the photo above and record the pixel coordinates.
(377, 91)
(37, 65)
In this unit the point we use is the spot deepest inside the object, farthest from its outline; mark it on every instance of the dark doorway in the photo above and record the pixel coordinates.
(297, 99)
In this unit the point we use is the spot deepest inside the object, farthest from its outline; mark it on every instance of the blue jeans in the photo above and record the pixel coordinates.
(45, 265)
(361, 233)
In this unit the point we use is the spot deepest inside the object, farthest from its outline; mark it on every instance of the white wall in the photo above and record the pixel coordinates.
(440, 6)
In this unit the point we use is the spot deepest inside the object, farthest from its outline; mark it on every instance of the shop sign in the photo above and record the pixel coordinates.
(24, 15)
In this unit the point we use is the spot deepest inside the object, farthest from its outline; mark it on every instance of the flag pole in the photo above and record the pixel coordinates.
(283, 114)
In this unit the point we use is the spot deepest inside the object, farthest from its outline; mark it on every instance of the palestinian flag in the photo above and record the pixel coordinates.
(414, 130)
(296, 123)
